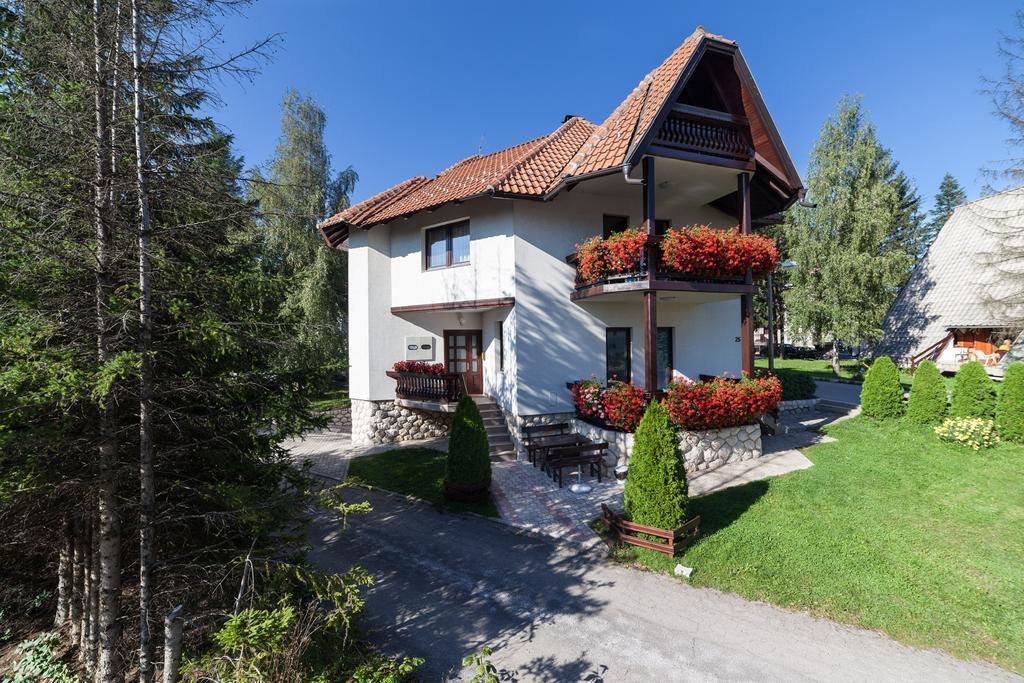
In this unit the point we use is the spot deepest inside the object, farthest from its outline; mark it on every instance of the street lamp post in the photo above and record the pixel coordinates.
(785, 265)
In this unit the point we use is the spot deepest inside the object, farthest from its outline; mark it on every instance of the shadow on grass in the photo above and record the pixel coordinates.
(718, 510)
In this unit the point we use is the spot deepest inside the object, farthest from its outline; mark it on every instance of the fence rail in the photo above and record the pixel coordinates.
(445, 387)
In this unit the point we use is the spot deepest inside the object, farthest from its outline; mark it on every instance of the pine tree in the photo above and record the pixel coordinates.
(974, 393)
(656, 488)
(1010, 407)
(882, 394)
(950, 195)
(298, 192)
(927, 401)
(853, 248)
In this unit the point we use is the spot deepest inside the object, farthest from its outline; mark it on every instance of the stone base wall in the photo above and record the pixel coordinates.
(801, 407)
(714, 448)
(701, 450)
(383, 422)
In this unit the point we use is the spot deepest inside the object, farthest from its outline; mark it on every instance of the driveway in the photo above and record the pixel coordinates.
(446, 585)
(840, 392)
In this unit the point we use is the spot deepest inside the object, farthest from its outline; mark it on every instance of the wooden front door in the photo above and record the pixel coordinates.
(462, 350)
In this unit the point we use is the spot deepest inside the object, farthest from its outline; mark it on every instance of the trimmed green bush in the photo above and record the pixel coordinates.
(927, 403)
(656, 492)
(974, 392)
(1010, 407)
(882, 394)
(469, 457)
(796, 386)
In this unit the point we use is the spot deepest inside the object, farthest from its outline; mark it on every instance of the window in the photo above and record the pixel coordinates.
(499, 339)
(617, 354)
(664, 356)
(614, 224)
(447, 245)
(661, 225)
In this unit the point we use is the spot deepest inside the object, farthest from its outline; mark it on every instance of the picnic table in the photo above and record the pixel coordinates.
(588, 453)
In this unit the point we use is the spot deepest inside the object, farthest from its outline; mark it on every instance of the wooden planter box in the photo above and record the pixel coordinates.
(670, 543)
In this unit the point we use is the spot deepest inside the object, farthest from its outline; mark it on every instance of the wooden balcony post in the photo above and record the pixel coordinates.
(650, 296)
(746, 300)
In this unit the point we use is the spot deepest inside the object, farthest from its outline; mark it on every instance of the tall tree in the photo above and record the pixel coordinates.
(298, 191)
(853, 247)
(950, 195)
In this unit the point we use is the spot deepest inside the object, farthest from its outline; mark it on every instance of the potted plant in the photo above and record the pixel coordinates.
(467, 472)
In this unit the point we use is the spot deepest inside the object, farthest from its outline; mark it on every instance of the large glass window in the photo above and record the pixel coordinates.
(617, 354)
(447, 245)
(664, 354)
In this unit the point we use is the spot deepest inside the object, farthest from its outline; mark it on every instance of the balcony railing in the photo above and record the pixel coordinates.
(706, 132)
(447, 387)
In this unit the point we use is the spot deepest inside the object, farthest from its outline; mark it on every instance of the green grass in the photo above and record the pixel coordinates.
(415, 472)
(890, 530)
(819, 369)
(331, 400)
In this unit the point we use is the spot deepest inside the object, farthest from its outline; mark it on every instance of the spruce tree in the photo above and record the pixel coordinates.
(656, 488)
(852, 249)
(950, 195)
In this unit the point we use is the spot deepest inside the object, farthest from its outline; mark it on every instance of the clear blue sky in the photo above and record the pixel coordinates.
(410, 87)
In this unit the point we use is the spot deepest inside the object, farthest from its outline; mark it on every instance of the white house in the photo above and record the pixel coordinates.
(473, 269)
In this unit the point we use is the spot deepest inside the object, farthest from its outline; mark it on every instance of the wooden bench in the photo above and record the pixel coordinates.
(539, 431)
(672, 540)
(536, 446)
(560, 457)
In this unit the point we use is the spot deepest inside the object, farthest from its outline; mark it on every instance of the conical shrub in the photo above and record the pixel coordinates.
(882, 395)
(469, 458)
(1010, 407)
(656, 491)
(927, 402)
(974, 392)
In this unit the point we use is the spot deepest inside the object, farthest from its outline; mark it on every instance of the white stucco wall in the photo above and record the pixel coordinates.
(558, 341)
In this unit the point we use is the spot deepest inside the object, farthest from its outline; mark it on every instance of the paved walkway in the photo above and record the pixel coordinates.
(840, 392)
(446, 585)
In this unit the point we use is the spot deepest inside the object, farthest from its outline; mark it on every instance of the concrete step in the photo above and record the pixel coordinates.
(830, 406)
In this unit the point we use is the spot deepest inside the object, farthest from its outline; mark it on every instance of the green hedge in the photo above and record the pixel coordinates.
(656, 491)
(927, 403)
(1010, 407)
(796, 385)
(974, 392)
(469, 457)
(882, 394)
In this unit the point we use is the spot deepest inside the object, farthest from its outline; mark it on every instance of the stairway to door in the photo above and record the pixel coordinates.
(502, 448)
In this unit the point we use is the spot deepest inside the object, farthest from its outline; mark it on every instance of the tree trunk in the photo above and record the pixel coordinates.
(65, 573)
(78, 565)
(88, 556)
(147, 504)
(93, 606)
(835, 357)
(172, 645)
(108, 667)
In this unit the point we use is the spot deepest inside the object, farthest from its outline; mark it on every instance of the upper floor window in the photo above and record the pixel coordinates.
(447, 245)
(613, 224)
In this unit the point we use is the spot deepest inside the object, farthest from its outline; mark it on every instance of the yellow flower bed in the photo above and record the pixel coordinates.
(974, 432)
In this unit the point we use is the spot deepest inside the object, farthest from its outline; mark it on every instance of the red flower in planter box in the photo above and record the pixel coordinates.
(588, 396)
(419, 366)
(592, 259)
(709, 253)
(625, 250)
(624, 405)
(720, 403)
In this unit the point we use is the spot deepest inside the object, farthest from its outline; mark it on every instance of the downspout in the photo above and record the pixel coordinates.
(625, 175)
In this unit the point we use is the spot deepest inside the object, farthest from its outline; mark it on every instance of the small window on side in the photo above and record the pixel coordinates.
(613, 224)
(499, 339)
(618, 354)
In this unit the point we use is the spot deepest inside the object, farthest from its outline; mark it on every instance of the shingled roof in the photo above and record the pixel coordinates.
(965, 281)
(539, 167)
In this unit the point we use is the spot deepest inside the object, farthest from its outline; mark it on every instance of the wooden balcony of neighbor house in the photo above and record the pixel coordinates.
(625, 284)
(439, 392)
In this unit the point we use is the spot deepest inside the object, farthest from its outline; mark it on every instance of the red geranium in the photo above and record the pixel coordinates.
(708, 253)
(624, 405)
(626, 250)
(419, 367)
(588, 396)
(719, 403)
(592, 259)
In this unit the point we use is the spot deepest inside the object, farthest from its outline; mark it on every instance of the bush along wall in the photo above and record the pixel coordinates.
(467, 472)
(656, 489)
(927, 403)
(974, 393)
(1010, 407)
(882, 395)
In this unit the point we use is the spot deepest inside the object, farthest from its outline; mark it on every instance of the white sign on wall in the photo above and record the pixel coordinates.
(420, 348)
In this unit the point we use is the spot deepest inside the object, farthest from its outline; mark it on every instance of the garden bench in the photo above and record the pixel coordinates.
(560, 457)
(536, 446)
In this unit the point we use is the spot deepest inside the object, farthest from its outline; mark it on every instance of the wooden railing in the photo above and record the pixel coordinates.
(691, 131)
(446, 387)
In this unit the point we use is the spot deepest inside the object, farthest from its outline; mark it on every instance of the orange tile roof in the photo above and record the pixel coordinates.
(537, 167)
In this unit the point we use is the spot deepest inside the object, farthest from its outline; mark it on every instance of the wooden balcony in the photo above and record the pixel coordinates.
(426, 391)
(704, 135)
(663, 279)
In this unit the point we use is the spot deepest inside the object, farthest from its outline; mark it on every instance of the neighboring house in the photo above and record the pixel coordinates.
(962, 302)
(473, 267)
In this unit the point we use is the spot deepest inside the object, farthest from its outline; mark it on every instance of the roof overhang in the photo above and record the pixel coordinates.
(469, 305)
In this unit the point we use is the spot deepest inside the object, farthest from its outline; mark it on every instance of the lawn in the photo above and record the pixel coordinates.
(848, 370)
(331, 400)
(416, 472)
(890, 530)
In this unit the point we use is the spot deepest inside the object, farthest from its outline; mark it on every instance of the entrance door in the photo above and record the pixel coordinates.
(462, 355)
